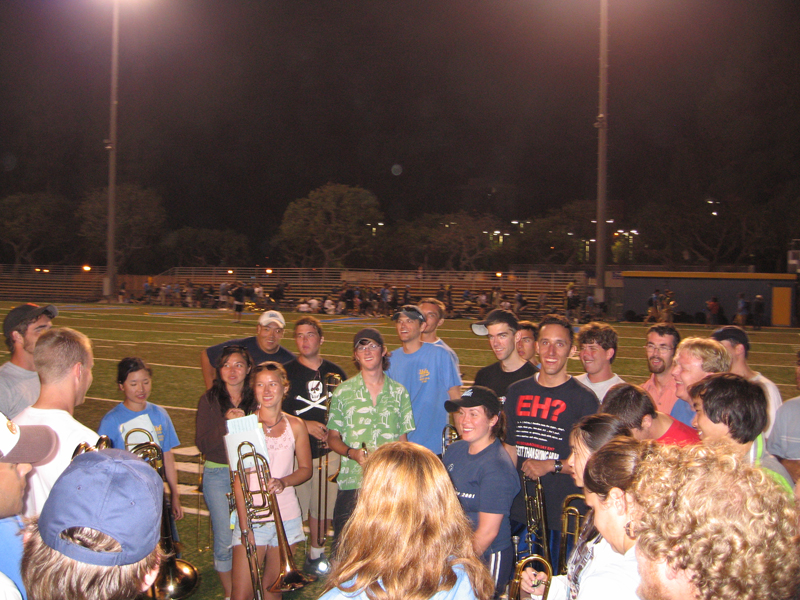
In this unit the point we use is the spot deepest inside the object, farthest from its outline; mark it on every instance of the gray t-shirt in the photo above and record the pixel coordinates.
(19, 389)
(784, 441)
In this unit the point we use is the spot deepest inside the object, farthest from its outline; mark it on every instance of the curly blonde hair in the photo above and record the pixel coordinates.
(407, 532)
(725, 523)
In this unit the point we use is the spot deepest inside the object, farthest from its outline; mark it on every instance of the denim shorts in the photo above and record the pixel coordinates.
(266, 535)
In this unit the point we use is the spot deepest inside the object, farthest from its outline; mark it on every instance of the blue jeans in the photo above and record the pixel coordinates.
(216, 484)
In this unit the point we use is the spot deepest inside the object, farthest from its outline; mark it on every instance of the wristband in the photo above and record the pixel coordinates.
(557, 466)
(347, 454)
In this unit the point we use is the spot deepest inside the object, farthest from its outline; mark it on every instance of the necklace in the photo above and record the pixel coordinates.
(269, 427)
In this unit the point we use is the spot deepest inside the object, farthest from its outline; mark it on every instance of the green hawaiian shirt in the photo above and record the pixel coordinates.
(358, 421)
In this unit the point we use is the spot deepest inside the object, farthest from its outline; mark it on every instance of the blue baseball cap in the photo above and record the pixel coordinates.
(111, 491)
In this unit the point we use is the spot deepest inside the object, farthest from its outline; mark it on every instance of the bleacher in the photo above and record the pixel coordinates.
(71, 283)
(320, 283)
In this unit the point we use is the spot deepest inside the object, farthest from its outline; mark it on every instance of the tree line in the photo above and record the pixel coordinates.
(338, 225)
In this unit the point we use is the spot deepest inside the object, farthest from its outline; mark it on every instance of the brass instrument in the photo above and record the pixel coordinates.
(254, 506)
(515, 587)
(536, 515)
(571, 525)
(330, 382)
(176, 578)
(129, 445)
(449, 435)
(103, 442)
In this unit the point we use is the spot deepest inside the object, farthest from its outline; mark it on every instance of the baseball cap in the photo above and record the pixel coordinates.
(410, 311)
(32, 444)
(26, 312)
(498, 315)
(477, 395)
(368, 333)
(733, 334)
(111, 491)
(271, 316)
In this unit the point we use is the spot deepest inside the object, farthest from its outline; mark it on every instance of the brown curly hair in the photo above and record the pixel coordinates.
(725, 523)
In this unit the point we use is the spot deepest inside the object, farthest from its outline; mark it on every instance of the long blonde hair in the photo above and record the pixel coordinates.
(407, 531)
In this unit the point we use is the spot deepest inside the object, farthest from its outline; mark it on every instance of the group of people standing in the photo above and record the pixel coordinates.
(525, 419)
(684, 500)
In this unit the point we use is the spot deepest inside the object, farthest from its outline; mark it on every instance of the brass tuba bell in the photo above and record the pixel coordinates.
(176, 578)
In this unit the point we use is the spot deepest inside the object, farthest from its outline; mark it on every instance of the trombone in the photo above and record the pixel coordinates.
(515, 587)
(176, 578)
(330, 382)
(536, 516)
(449, 435)
(103, 442)
(571, 525)
(254, 506)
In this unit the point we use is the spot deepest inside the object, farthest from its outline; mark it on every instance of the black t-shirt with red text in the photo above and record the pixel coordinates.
(539, 423)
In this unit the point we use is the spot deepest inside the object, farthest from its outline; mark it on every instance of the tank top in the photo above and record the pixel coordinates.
(281, 464)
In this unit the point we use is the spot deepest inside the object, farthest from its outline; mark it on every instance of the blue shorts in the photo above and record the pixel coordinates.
(266, 535)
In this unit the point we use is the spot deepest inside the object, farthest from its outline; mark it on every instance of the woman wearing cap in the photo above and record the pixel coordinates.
(366, 411)
(485, 478)
(603, 566)
(230, 397)
(408, 538)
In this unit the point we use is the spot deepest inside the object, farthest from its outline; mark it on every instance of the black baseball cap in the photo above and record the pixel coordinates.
(477, 395)
(26, 312)
(498, 315)
(410, 311)
(368, 333)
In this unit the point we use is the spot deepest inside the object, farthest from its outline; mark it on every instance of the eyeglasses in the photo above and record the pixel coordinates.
(365, 347)
(662, 349)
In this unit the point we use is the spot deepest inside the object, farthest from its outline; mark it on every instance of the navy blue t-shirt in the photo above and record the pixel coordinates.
(250, 344)
(485, 482)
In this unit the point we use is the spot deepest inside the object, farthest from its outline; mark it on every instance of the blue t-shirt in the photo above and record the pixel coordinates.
(485, 482)
(462, 590)
(120, 414)
(250, 344)
(427, 374)
(683, 412)
(11, 555)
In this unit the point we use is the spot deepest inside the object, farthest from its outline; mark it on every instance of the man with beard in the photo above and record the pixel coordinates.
(19, 382)
(662, 339)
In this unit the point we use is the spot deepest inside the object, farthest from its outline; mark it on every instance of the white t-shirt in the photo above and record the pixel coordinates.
(599, 389)
(607, 576)
(70, 433)
(774, 399)
(19, 388)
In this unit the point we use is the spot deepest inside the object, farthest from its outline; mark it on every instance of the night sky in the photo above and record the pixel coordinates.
(231, 109)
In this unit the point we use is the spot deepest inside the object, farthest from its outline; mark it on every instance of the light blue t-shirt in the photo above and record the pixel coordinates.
(11, 555)
(462, 590)
(120, 414)
(427, 374)
(683, 412)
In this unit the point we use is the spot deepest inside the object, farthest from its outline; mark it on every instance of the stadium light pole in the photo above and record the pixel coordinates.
(602, 159)
(111, 145)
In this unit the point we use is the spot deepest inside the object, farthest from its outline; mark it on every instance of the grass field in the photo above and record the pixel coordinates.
(171, 339)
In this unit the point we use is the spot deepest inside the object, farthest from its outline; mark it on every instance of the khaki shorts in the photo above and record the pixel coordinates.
(308, 492)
